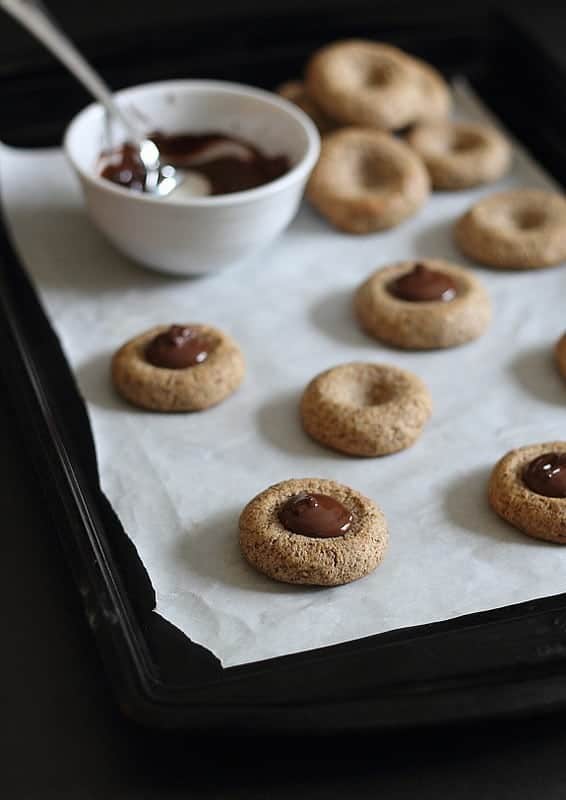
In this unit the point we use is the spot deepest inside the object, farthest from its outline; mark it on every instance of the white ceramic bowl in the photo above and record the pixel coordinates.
(202, 234)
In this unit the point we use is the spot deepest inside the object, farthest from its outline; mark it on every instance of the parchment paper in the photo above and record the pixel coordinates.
(179, 482)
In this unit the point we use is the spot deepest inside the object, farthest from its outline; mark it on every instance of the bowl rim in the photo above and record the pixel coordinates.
(297, 172)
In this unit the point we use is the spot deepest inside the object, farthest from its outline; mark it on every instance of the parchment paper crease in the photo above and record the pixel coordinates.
(178, 483)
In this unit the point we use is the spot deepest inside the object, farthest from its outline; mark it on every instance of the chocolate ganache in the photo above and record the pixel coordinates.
(423, 285)
(316, 515)
(228, 164)
(546, 475)
(179, 347)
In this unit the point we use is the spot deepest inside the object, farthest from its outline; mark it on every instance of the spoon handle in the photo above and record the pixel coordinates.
(32, 16)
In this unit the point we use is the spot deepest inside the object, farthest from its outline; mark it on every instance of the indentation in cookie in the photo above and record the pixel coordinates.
(362, 82)
(363, 390)
(365, 409)
(367, 180)
(375, 174)
(526, 219)
(365, 83)
(459, 155)
(379, 75)
(465, 140)
(517, 229)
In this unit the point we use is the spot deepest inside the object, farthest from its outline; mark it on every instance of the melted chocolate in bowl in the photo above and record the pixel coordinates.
(317, 515)
(423, 285)
(229, 164)
(178, 347)
(546, 475)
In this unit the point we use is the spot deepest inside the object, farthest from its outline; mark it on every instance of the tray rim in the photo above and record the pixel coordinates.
(217, 703)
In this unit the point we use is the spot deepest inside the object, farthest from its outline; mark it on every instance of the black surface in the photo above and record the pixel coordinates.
(504, 662)
(132, 41)
(65, 737)
(101, 27)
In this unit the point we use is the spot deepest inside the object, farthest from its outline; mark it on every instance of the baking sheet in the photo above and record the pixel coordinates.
(179, 482)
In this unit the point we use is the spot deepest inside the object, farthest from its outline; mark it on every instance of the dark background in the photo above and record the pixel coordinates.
(132, 42)
(101, 23)
(62, 735)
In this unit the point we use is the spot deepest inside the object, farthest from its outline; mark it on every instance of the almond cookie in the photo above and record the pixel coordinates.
(365, 409)
(313, 531)
(560, 353)
(528, 489)
(366, 180)
(435, 96)
(459, 155)
(296, 92)
(178, 368)
(518, 229)
(423, 305)
(360, 82)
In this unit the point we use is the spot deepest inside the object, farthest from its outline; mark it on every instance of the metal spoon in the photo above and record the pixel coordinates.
(161, 179)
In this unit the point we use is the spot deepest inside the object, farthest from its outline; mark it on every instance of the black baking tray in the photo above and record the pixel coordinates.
(508, 661)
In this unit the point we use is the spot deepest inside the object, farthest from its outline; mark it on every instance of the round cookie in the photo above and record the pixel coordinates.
(459, 155)
(290, 557)
(365, 409)
(518, 229)
(217, 368)
(366, 180)
(296, 92)
(361, 82)
(560, 353)
(423, 324)
(533, 513)
(435, 97)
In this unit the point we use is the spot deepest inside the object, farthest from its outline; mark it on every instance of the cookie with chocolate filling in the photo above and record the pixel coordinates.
(313, 531)
(527, 488)
(423, 305)
(185, 367)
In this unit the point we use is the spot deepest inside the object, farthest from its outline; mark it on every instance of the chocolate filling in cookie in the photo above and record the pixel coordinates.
(315, 515)
(186, 367)
(527, 488)
(313, 531)
(422, 305)
(179, 347)
(546, 475)
(422, 285)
